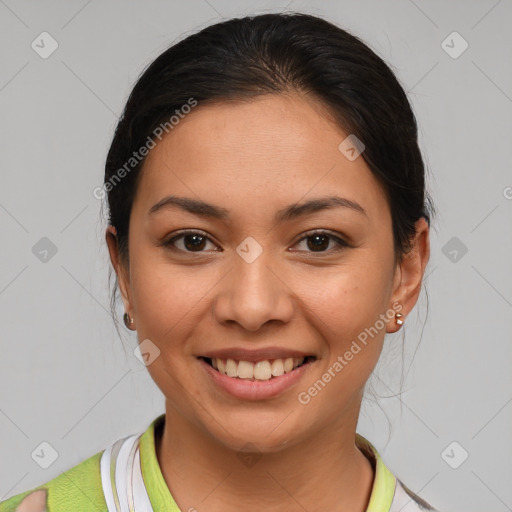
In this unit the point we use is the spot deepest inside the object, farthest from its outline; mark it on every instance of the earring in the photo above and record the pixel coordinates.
(398, 318)
(127, 320)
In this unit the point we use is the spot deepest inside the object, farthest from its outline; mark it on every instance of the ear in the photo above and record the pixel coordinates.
(409, 273)
(122, 273)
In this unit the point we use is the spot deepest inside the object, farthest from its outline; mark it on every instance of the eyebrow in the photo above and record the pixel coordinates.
(203, 209)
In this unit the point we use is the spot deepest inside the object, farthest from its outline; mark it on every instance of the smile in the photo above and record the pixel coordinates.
(264, 370)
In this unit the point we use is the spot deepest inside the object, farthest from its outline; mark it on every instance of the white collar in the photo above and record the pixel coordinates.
(121, 477)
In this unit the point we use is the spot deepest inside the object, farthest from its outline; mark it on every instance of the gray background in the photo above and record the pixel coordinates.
(67, 379)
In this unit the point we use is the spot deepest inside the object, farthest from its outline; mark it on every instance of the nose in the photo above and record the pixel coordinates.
(253, 294)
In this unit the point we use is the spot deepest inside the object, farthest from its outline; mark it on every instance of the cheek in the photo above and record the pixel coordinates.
(161, 302)
(168, 307)
(168, 299)
(348, 297)
(345, 307)
(346, 316)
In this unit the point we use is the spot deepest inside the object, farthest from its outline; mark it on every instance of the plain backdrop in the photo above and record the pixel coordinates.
(65, 376)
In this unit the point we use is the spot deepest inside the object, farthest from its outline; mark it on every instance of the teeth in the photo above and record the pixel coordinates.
(261, 370)
(277, 367)
(231, 368)
(288, 365)
(245, 370)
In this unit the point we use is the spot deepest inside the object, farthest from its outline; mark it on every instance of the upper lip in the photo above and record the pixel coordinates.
(262, 354)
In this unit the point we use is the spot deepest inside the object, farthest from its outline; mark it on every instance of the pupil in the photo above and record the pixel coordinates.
(198, 242)
(317, 245)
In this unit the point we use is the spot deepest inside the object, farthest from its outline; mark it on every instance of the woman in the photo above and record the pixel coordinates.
(268, 225)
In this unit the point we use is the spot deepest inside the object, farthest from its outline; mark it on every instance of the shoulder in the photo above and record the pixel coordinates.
(78, 488)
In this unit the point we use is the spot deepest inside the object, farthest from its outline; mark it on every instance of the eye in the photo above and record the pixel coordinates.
(319, 240)
(190, 241)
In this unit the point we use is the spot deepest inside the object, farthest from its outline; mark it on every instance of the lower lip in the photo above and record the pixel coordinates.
(255, 389)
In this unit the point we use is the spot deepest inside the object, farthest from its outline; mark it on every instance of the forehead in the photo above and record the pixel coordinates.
(272, 150)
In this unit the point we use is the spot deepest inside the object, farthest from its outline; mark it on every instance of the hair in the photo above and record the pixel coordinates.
(242, 58)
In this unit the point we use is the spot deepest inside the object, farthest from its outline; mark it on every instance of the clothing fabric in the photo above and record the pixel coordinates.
(126, 477)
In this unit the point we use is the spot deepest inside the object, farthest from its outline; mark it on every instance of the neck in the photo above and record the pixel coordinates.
(324, 472)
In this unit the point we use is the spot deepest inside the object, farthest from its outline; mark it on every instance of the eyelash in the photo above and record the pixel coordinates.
(342, 244)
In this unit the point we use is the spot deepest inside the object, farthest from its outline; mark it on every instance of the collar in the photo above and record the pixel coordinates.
(156, 486)
(384, 482)
(381, 498)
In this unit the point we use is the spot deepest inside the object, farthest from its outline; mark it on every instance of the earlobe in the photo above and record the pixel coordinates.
(409, 274)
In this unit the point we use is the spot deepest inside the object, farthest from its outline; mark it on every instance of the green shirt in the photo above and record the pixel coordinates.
(80, 488)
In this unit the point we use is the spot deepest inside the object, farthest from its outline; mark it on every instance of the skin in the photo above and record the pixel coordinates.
(254, 158)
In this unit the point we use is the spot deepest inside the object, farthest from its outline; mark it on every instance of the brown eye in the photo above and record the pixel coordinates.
(319, 241)
(194, 242)
(189, 241)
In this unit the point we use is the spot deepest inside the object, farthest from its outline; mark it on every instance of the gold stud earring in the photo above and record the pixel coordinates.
(398, 318)
(127, 320)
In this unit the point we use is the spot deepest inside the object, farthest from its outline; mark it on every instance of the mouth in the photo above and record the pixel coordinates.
(263, 370)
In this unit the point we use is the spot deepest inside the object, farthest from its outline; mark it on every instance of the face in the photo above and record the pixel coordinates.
(256, 276)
